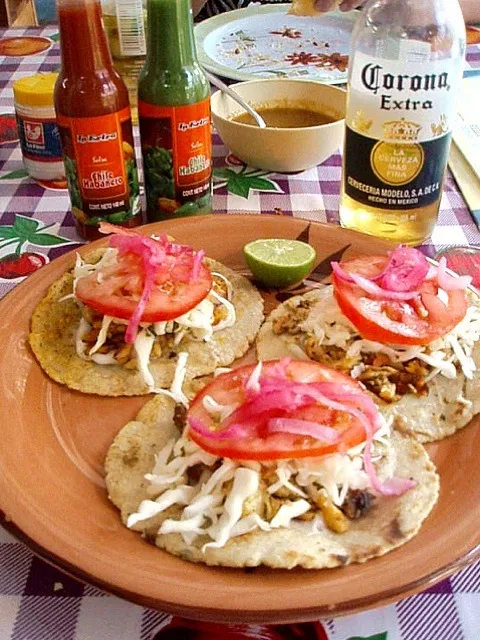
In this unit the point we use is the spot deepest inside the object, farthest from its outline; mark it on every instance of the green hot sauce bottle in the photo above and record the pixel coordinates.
(174, 116)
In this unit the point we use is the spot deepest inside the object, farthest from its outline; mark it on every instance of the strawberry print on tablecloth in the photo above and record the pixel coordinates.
(16, 262)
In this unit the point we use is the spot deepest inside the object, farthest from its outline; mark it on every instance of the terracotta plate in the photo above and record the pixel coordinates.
(52, 494)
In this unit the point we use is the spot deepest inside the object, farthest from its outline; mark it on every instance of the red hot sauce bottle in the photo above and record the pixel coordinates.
(93, 115)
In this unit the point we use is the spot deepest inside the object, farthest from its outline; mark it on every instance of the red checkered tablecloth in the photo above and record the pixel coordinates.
(38, 602)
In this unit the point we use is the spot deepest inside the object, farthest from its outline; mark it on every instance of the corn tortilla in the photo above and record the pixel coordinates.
(52, 339)
(391, 523)
(428, 418)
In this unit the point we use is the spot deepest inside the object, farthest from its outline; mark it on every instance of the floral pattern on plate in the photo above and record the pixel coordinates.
(249, 46)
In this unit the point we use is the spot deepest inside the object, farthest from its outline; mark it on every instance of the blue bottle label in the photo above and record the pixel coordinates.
(39, 139)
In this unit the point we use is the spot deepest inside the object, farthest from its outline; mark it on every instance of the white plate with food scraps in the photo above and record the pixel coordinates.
(266, 42)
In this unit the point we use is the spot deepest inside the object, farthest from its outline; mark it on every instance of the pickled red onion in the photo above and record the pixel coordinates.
(286, 395)
(371, 287)
(279, 369)
(155, 255)
(432, 272)
(170, 247)
(379, 292)
(340, 273)
(392, 486)
(152, 256)
(174, 249)
(405, 271)
(277, 375)
(303, 428)
(358, 398)
(448, 282)
(197, 264)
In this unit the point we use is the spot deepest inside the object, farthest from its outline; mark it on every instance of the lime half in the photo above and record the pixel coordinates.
(276, 262)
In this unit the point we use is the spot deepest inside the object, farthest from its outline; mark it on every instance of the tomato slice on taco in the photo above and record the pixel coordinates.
(117, 322)
(282, 463)
(409, 331)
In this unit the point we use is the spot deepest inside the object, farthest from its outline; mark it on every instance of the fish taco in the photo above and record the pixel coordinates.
(283, 463)
(407, 330)
(117, 322)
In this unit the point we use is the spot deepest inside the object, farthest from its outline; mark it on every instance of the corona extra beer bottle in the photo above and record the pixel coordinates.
(404, 76)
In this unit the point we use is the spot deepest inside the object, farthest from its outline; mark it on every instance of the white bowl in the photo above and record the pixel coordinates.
(281, 149)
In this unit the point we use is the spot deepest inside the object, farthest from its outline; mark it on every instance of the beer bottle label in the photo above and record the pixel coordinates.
(100, 168)
(399, 121)
(177, 158)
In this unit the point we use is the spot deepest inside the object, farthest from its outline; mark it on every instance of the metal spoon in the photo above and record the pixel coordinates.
(223, 87)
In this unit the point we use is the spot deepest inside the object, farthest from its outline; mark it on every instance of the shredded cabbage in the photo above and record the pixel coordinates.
(215, 505)
(198, 322)
(331, 328)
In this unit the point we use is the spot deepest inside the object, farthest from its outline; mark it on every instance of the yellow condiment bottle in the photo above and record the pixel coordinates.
(37, 126)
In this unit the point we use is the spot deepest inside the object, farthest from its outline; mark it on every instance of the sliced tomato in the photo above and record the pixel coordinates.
(116, 290)
(229, 389)
(395, 321)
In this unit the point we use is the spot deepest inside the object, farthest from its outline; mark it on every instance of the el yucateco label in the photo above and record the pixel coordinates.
(100, 167)
(177, 158)
(399, 121)
(39, 139)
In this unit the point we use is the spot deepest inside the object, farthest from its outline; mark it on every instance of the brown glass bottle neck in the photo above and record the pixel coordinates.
(83, 42)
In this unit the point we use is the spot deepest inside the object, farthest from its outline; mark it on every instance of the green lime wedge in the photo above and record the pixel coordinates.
(277, 262)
